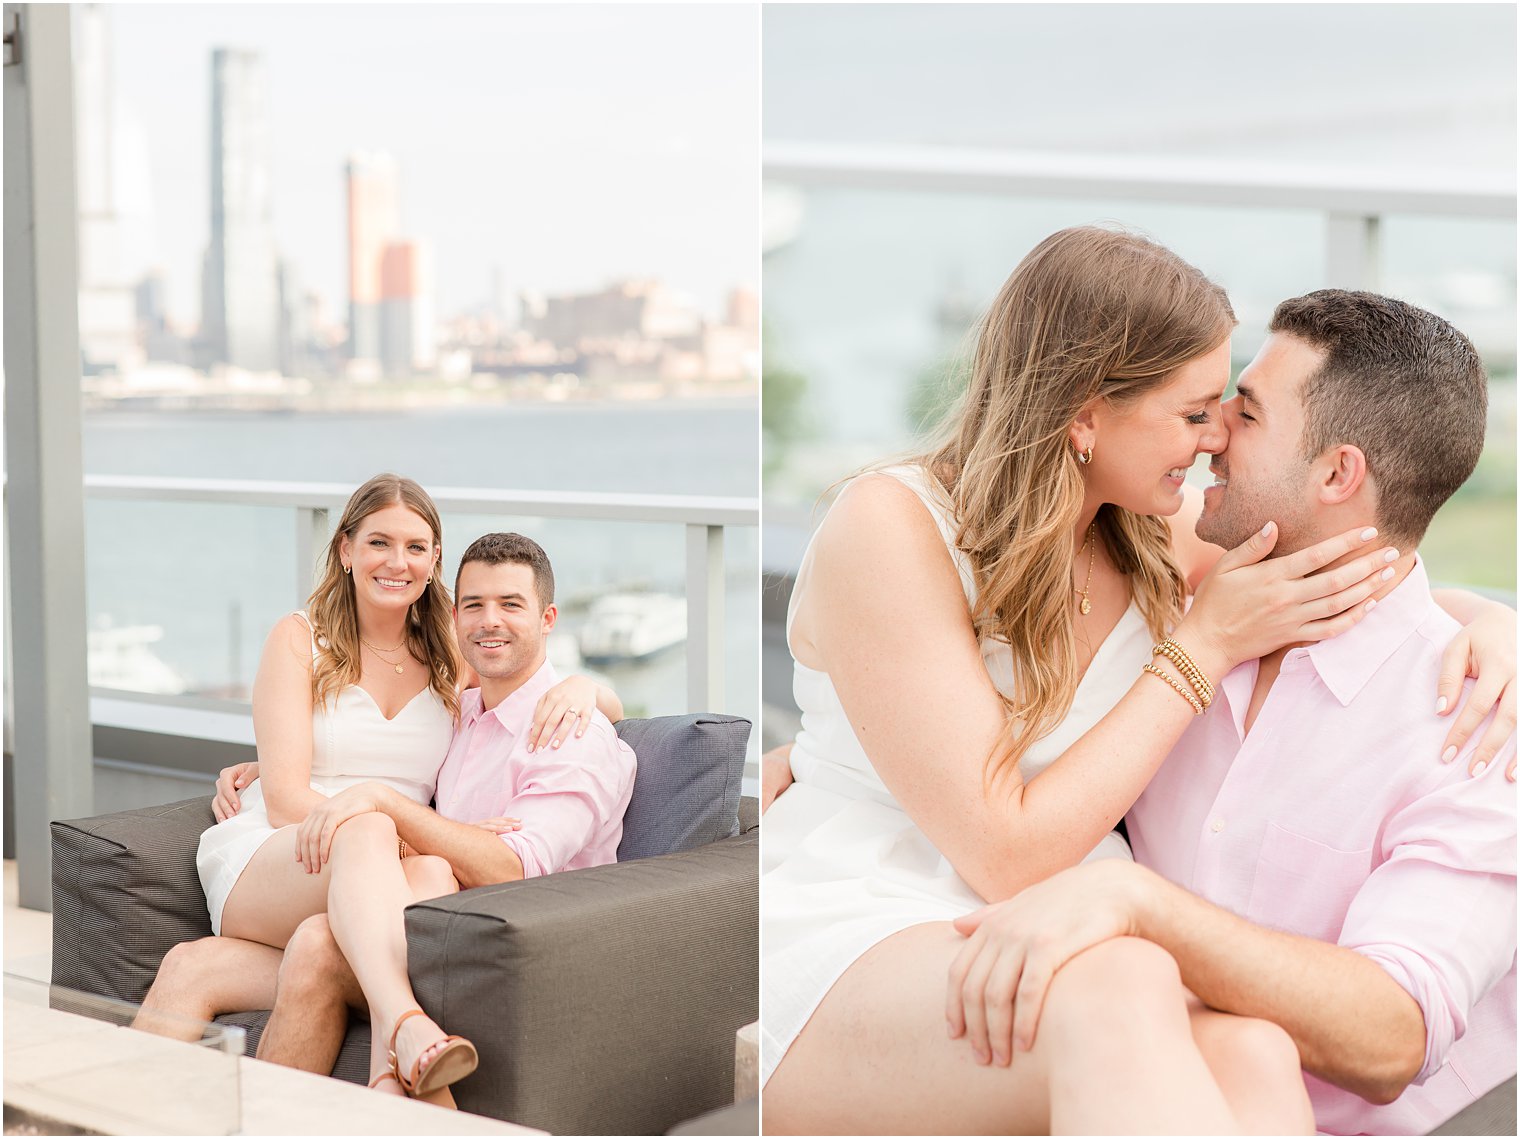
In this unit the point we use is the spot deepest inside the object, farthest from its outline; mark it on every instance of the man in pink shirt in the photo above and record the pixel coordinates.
(567, 801)
(570, 799)
(1303, 854)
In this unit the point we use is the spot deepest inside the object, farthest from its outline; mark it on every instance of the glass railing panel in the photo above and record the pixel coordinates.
(181, 595)
(620, 588)
(1464, 269)
(866, 328)
(862, 333)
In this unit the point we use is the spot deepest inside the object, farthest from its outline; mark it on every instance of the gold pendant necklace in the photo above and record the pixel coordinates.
(1086, 606)
(378, 653)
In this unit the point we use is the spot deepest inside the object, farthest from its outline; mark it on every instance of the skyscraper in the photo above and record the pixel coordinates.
(241, 316)
(408, 334)
(372, 223)
(107, 305)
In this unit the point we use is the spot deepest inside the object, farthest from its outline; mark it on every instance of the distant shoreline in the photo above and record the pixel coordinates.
(365, 401)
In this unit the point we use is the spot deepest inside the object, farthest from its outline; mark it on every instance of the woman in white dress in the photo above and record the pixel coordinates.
(363, 685)
(969, 631)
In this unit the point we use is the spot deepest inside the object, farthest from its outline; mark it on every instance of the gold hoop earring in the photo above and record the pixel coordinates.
(346, 569)
(1085, 457)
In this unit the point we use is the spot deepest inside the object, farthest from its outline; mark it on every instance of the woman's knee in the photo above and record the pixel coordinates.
(429, 876)
(1124, 964)
(371, 828)
(1116, 982)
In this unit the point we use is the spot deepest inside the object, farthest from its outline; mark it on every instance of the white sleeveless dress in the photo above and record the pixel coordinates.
(843, 866)
(352, 742)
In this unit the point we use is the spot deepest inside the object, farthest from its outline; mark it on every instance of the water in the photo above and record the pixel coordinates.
(216, 578)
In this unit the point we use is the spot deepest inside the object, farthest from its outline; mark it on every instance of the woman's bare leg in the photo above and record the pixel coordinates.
(274, 894)
(317, 989)
(1114, 1052)
(368, 892)
(1256, 1065)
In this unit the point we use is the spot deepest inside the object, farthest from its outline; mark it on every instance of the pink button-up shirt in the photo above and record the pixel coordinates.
(1335, 819)
(570, 799)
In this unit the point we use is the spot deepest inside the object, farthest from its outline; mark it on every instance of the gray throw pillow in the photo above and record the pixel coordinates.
(686, 792)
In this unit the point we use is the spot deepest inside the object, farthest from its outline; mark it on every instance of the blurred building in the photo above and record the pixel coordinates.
(108, 338)
(240, 289)
(372, 225)
(408, 335)
(633, 310)
(295, 323)
(161, 342)
(744, 309)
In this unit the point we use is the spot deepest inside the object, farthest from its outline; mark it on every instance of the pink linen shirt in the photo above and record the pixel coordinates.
(1335, 819)
(571, 799)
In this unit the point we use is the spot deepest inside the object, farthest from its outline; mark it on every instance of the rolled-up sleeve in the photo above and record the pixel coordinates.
(566, 797)
(1438, 913)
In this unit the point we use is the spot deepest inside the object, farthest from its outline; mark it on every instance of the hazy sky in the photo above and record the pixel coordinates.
(1382, 84)
(567, 145)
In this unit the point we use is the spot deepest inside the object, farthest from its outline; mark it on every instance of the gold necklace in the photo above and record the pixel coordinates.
(1086, 607)
(377, 652)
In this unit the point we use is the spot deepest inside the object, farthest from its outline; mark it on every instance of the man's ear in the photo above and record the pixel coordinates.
(1342, 473)
(551, 614)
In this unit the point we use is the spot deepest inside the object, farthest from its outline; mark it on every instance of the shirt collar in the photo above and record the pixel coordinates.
(517, 708)
(1348, 661)
(471, 705)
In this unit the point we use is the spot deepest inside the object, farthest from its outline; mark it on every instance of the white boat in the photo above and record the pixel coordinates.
(632, 626)
(120, 658)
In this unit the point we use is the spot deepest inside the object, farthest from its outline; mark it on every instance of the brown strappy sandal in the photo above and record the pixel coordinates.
(451, 1063)
(388, 1074)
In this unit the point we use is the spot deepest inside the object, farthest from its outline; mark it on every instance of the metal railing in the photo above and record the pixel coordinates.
(1353, 199)
(316, 506)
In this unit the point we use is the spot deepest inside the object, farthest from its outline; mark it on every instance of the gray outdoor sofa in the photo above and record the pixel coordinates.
(602, 1001)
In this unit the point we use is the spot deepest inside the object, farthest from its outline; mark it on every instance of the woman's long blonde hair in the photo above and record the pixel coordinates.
(334, 611)
(1089, 312)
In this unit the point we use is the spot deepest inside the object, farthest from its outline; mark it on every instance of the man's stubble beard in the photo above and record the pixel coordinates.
(1243, 512)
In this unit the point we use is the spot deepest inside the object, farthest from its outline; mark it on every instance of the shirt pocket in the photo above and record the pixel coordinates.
(1304, 886)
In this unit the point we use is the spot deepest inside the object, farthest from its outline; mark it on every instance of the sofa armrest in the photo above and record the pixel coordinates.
(603, 1001)
(125, 891)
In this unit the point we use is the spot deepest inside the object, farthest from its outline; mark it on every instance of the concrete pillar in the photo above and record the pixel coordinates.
(45, 492)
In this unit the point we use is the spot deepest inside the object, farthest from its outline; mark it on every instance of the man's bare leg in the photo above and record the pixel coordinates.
(200, 980)
(316, 988)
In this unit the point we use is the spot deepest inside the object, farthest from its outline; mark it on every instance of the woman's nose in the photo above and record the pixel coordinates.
(1216, 438)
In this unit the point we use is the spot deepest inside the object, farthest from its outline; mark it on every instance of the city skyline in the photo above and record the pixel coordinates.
(620, 155)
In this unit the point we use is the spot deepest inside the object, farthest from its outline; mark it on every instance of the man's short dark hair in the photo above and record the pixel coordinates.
(1400, 384)
(517, 549)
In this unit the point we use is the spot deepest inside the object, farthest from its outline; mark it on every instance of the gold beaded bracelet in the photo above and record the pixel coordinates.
(401, 848)
(1177, 688)
(1185, 665)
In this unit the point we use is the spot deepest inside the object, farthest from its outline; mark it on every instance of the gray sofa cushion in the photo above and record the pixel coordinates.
(686, 793)
(126, 881)
(603, 1001)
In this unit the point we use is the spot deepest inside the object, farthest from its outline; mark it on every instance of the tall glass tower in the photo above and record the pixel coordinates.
(241, 309)
(372, 214)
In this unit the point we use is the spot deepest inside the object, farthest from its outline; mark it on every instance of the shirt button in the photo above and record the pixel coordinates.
(1217, 825)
